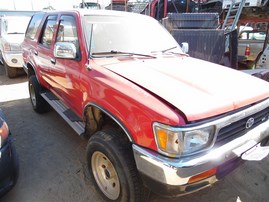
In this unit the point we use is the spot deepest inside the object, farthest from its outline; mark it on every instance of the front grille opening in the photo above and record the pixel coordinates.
(238, 128)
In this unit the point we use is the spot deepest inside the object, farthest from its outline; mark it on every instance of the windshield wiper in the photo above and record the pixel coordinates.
(165, 50)
(113, 52)
(168, 49)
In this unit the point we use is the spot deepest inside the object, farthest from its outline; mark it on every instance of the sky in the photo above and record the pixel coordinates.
(37, 4)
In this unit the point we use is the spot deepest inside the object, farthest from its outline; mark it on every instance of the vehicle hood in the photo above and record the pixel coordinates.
(14, 38)
(197, 88)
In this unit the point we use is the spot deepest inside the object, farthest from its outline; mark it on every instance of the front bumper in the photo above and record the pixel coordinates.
(9, 167)
(13, 59)
(168, 176)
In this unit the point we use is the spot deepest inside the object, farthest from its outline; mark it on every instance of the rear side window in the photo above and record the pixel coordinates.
(48, 31)
(33, 25)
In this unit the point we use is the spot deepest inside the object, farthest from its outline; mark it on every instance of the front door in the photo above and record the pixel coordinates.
(67, 71)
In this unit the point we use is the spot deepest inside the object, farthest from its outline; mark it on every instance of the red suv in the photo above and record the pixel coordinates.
(154, 116)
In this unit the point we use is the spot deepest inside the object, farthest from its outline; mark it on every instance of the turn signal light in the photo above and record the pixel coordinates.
(203, 175)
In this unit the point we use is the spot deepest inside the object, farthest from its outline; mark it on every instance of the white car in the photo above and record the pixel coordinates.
(12, 30)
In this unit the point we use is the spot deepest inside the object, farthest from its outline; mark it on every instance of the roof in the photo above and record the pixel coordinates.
(85, 12)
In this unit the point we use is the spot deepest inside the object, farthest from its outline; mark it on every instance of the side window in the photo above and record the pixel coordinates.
(33, 25)
(259, 36)
(243, 35)
(67, 31)
(48, 30)
(253, 35)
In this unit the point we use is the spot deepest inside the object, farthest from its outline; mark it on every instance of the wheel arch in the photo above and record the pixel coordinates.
(100, 118)
(31, 69)
(258, 58)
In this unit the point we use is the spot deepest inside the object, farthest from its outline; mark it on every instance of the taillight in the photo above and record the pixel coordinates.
(3, 133)
(247, 51)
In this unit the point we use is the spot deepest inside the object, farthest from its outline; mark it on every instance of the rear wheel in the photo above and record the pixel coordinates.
(11, 72)
(112, 167)
(39, 104)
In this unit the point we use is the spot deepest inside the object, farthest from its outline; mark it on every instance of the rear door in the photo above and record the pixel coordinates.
(44, 51)
(29, 45)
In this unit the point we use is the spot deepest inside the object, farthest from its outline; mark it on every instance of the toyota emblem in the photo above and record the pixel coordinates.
(249, 122)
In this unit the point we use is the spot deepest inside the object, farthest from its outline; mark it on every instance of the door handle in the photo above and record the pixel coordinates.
(53, 60)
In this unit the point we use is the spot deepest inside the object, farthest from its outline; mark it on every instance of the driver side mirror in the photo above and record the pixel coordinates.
(66, 50)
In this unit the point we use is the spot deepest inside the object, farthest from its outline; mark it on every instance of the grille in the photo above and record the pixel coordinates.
(238, 128)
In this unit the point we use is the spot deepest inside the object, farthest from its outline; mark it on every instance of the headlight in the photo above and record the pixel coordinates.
(198, 139)
(15, 47)
(11, 46)
(177, 141)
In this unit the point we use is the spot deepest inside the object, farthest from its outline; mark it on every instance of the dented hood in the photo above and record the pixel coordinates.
(198, 88)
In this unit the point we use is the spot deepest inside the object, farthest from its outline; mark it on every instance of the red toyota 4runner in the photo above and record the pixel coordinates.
(154, 116)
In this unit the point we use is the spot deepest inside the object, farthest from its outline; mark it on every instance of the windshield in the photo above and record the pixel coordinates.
(16, 25)
(130, 34)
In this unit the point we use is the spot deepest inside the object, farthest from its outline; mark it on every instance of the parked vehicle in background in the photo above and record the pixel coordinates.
(12, 30)
(250, 45)
(16, 13)
(154, 115)
(90, 5)
(9, 166)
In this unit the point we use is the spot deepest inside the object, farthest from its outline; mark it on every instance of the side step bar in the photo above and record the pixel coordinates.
(67, 114)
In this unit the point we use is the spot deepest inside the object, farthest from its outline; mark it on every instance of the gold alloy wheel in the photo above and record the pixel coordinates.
(32, 94)
(105, 175)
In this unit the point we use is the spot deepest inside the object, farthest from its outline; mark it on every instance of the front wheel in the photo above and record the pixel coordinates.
(112, 167)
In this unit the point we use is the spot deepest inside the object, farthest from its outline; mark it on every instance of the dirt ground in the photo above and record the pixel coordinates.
(52, 159)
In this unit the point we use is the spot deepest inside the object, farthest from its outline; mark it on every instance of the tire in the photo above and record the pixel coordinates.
(39, 104)
(16, 164)
(112, 167)
(15, 170)
(11, 72)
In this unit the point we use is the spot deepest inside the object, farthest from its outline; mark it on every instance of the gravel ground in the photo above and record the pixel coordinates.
(52, 159)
